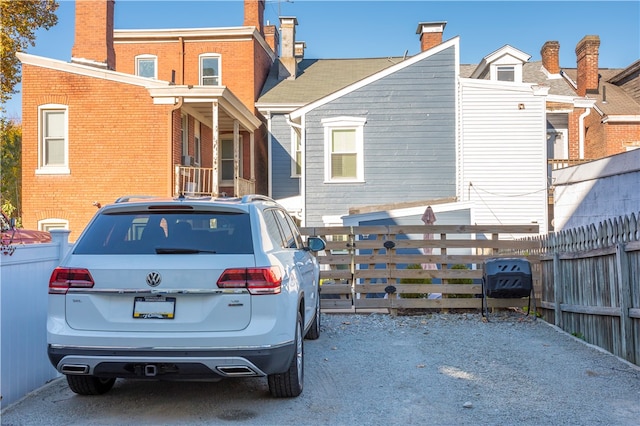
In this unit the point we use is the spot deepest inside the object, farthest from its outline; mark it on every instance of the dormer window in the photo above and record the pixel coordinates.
(507, 73)
(210, 70)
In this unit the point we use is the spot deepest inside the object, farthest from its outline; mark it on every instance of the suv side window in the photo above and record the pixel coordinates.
(273, 228)
(292, 236)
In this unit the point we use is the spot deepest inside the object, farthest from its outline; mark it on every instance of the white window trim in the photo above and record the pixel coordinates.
(52, 223)
(295, 137)
(42, 168)
(225, 137)
(346, 123)
(205, 56)
(517, 72)
(155, 64)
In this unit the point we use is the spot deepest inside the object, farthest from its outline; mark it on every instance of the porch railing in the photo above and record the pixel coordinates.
(562, 163)
(198, 181)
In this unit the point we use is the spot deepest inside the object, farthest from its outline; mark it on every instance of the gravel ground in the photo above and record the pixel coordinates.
(375, 369)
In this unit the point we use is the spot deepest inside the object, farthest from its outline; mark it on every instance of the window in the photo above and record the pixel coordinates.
(53, 147)
(197, 154)
(146, 66)
(227, 160)
(344, 142)
(184, 134)
(296, 154)
(210, 70)
(49, 224)
(506, 73)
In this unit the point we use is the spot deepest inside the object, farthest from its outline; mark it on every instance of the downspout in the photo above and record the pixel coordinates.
(581, 126)
(176, 185)
(181, 41)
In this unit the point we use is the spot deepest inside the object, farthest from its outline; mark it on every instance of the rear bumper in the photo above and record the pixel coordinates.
(171, 364)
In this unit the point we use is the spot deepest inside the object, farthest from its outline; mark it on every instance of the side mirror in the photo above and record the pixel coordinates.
(316, 243)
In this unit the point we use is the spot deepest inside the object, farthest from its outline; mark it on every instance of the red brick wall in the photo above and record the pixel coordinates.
(118, 145)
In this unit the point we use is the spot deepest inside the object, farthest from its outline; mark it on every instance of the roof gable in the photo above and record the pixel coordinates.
(506, 55)
(454, 42)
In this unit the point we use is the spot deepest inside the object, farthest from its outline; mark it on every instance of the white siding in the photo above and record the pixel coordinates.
(502, 157)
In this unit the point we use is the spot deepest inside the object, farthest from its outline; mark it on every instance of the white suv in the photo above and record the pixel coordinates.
(185, 288)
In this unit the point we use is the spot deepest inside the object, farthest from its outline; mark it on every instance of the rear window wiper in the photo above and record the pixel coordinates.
(162, 250)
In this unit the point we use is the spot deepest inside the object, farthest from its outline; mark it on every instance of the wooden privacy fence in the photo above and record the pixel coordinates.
(391, 267)
(590, 280)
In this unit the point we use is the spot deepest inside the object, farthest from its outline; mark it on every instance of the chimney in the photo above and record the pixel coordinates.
(430, 34)
(271, 37)
(287, 48)
(298, 52)
(587, 58)
(93, 44)
(254, 14)
(550, 57)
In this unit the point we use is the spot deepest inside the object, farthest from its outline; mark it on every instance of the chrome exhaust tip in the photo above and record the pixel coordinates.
(236, 371)
(74, 369)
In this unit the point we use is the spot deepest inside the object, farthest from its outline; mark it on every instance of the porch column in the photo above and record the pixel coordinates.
(251, 156)
(236, 158)
(215, 187)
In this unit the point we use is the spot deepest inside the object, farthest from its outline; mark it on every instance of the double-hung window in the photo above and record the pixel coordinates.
(210, 70)
(344, 146)
(53, 146)
(296, 154)
(146, 66)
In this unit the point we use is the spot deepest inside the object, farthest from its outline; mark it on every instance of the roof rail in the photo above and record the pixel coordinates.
(126, 198)
(256, 197)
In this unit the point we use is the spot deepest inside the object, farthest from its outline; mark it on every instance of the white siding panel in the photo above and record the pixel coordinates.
(503, 153)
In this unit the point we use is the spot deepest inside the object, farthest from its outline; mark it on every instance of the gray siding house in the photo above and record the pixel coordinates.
(350, 133)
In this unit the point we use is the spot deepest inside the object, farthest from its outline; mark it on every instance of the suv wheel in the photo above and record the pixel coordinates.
(289, 383)
(314, 331)
(89, 385)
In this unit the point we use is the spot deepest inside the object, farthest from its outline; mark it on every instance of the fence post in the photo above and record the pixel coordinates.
(624, 294)
(557, 289)
(61, 238)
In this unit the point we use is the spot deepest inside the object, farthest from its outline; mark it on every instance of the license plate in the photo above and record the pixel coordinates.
(156, 307)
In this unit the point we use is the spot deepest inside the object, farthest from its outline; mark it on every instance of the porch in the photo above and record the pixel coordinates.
(199, 182)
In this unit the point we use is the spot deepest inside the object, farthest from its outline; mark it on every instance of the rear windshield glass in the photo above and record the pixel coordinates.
(166, 233)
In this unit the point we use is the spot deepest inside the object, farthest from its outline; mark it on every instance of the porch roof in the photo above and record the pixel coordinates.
(198, 101)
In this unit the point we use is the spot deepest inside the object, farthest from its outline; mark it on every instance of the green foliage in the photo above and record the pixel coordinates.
(19, 20)
(459, 281)
(10, 166)
(415, 281)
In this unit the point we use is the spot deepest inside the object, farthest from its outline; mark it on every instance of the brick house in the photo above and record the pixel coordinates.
(612, 125)
(157, 112)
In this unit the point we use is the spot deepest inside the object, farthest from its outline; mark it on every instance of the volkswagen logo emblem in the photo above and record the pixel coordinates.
(154, 279)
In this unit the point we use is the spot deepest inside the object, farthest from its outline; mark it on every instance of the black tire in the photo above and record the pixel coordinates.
(89, 385)
(289, 384)
(314, 331)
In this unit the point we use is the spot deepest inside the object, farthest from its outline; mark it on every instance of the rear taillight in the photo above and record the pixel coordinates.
(62, 279)
(256, 280)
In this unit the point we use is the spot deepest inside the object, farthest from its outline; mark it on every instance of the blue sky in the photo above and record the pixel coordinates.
(364, 29)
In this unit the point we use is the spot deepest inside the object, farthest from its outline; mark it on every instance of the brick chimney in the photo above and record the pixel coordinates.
(587, 58)
(288, 45)
(254, 14)
(271, 37)
(550, 57)
(430, 34)
(93, 44)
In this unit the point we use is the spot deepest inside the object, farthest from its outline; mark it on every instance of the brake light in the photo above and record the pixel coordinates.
(257, 280)
(62, 279)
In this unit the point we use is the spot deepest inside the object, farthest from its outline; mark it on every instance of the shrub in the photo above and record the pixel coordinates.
(415, 281)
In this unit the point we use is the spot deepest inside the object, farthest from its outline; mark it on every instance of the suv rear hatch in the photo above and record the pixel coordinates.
(158, 271)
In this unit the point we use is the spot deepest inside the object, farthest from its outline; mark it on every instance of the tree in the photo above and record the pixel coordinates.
(10, 165)
(19, 20)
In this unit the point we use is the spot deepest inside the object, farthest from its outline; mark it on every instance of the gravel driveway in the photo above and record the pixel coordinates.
(378, 370)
